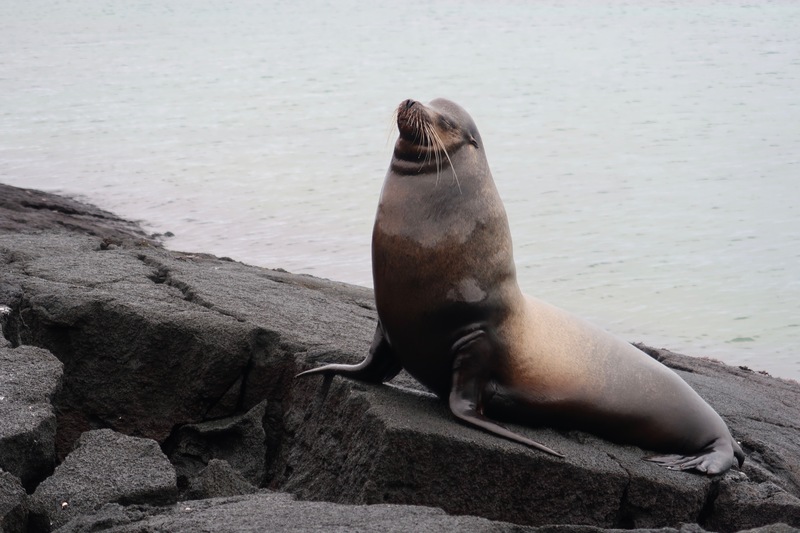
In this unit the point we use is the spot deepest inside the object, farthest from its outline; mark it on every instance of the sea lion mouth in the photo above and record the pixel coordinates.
(420, 141)
(412, 121)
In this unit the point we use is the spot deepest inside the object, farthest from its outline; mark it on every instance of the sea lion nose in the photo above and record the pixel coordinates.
(408, 103)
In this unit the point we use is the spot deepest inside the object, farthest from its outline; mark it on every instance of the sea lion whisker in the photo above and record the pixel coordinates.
(392, 125)
(425, 142)
(434, 145)
(417, 132)
(433, 149)
(455, 175)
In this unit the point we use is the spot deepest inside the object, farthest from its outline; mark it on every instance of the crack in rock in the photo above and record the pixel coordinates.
(772, 422)
(708, 506)
(622, 521)
(164, 275)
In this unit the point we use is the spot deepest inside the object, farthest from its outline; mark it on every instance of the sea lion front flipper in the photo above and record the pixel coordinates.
(472, 357)
(380, 365)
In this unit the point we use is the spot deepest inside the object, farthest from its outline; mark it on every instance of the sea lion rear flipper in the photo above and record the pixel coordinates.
(715, 458)
(470, 366)
(380, 365)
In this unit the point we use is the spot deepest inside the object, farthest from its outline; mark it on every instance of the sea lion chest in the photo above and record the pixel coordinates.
(441, 256)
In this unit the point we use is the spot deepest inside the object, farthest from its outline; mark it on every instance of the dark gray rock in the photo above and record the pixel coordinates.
(217, 480)
(151, 340)
(742, 505)
(13, 504)
(366, 444)
(154, 341)
(279, 513)
(137, 356)
(29, 377)
(105, 467)
(772, 528)
(29, 210)
(240, 441)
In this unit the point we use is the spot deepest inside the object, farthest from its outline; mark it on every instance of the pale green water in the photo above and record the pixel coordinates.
(648, 152)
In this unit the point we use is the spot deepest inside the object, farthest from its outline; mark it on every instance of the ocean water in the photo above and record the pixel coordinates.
(648, 153)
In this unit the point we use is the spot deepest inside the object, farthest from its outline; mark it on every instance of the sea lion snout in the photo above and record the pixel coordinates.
(410, 118)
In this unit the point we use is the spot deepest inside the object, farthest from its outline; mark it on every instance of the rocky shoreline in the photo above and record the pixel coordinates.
(143, 389)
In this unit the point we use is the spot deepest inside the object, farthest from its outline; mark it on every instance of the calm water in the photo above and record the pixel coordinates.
(648, 152)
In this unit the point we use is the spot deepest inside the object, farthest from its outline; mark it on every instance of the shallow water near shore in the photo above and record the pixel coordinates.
(647, 153)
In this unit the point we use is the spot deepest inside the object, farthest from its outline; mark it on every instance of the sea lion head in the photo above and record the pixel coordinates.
(434, 136)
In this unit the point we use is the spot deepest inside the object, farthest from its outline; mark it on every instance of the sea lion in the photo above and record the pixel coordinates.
(452, 314)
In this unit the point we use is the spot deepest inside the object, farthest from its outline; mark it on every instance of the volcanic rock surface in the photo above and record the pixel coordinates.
(181, 366)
